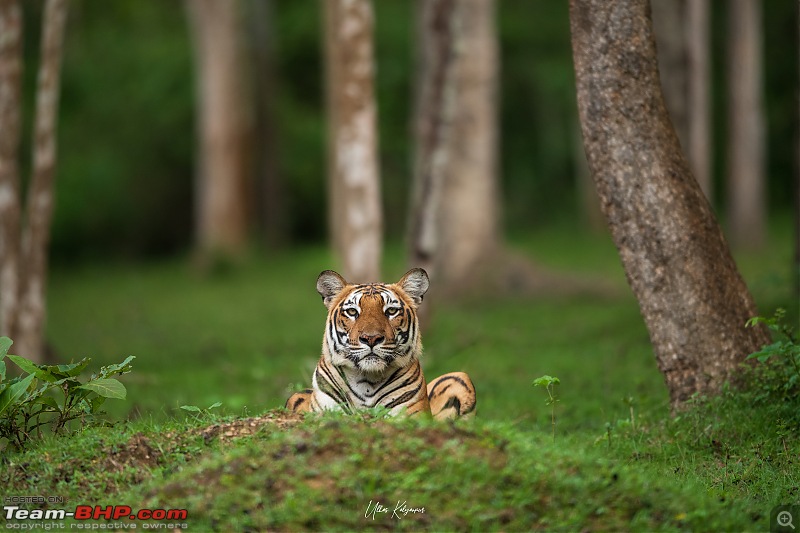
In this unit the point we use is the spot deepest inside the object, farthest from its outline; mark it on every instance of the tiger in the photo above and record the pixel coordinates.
(371, 352)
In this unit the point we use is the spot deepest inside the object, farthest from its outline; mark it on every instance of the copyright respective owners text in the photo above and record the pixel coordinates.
(784, 518)
(53, 513)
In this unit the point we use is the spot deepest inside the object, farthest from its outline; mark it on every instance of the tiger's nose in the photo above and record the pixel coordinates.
(371, 340)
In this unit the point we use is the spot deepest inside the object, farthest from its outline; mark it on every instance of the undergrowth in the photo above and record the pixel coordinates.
(52, 396)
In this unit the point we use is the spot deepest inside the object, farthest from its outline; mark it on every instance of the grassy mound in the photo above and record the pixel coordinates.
(332, 472)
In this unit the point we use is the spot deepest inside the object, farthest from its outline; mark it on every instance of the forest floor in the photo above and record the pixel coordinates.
(249, 335)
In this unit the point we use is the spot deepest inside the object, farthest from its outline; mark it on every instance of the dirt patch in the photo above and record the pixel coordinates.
(136, 453)
(248, 426)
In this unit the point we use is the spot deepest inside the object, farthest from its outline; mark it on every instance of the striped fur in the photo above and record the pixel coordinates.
(370, 353)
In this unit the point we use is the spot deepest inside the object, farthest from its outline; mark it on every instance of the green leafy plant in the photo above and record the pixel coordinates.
(549, 383)
(52, 395)
(784, 352)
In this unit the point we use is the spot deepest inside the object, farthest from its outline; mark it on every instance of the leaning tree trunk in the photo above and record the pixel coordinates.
(221, 199)
(355, 212)
(10, 105)
(746, 146)
(454, 217)
(690, 294)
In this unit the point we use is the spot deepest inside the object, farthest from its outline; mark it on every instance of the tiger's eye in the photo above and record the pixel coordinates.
(392, 311)
(351, 312)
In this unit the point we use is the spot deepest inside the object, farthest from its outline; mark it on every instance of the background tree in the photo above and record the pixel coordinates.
(221, 186)
(682, 38)
(698, 104)
(691, 296)
(746, 133)
(355, 213)
(669, 26)
(796, 199)
(270, 194)
(10, 107)
(24, 243)
(454, 227)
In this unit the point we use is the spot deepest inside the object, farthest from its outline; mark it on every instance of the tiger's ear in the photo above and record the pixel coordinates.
(415, 283)
(329, 285)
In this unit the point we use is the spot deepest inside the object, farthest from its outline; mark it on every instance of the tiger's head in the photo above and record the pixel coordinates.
(373, 327)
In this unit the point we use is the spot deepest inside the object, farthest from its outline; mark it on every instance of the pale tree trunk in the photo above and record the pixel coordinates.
(355, 211)
(222, 200)
(454, 227)
(746, 146)
(676, 260)
(10, 106)
(698, 104)
(271, 199)
(433, 115)
(40, 198)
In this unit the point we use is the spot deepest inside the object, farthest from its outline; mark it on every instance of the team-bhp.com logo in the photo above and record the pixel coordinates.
(94, 512)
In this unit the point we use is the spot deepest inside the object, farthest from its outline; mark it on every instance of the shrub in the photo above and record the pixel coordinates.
(52, 395)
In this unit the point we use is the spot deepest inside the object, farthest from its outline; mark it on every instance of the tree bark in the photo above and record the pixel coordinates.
(690, 294)
(221, 175)
(746, 146)
(454, 228)
(355, 211)
(39, 207)
(10, 105)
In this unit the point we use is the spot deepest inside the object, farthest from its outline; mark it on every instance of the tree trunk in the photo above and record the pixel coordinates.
(355, 211)
(39, 208)
(271, 199)
(796, 262)
(221, 181)
(436, 58)
(690, 294)
(698, 105)
(10, 106)
(454, 220)
(746, 146)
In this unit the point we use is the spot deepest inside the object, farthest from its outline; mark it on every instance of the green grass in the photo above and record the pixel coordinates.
(324, 472)
(250, 335)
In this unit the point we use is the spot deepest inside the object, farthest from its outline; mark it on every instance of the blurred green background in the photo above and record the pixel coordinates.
(126, 132)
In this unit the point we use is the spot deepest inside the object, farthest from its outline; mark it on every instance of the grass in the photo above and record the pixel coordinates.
(326, 472)
(249, 336)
